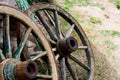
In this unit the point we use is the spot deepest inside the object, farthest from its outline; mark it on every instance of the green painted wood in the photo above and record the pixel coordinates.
(22, 4)
(30, 1)
(8, 70)
(37, 43)
(6, 37)
(21, 45)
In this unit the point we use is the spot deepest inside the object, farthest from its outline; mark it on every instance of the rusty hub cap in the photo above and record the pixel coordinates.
(67, 46)
(26, 70)
(11, 69)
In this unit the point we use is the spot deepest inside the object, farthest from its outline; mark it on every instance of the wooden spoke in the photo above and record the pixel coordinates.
(53, 42)
(2, 57)
(50, 17)
(39, 55)
(37, 43)
(35, 53)
(54, 49)
(6, 37)
(39, 76)
(46, 25)
(79, 63)
(58, 31)
(63, 68)
(74, 76)
(57, 56)
(82, 47)
(21, 45)
(69, 31)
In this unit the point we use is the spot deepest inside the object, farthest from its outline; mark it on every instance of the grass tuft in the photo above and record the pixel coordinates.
(116, 2)
(94, 20)
(110, 32)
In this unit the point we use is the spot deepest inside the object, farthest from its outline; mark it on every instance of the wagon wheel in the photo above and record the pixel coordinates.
(71, 46)
(40, 56)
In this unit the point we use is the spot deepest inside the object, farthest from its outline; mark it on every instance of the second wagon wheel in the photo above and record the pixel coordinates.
(38, 51)
(69, 42)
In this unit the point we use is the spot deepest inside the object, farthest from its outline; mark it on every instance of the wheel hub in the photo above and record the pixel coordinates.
(67, 46)
(10, 69)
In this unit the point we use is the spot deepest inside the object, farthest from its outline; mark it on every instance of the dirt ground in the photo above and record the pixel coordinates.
(106, 47)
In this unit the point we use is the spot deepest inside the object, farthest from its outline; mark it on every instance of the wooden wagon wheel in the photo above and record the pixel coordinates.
(71, 46)
(41, 56)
